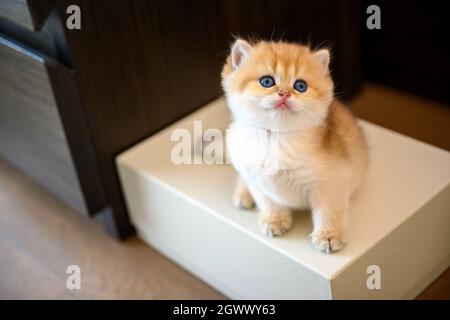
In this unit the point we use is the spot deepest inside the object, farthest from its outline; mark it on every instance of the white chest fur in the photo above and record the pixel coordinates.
(279, 164)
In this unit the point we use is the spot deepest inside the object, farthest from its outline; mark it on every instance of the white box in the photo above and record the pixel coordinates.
(399, 221)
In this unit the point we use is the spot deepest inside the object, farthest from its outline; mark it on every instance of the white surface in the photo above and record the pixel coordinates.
(171, 204)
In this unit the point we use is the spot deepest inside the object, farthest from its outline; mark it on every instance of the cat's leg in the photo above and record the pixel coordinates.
(329, 214)
(274, 219)
(242, 198)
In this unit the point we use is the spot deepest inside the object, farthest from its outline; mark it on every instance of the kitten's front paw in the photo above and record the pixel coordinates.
(243, 199)
(275, 223)
(327, 241)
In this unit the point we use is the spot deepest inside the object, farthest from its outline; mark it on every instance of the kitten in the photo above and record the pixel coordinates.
(286, 91)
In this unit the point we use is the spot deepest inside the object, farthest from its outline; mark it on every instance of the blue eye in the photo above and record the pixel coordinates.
(300, 86)
(267, 81)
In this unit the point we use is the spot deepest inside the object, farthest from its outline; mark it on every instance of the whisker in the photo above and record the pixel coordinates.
(273, 32)
(320, 121)
(282, 35)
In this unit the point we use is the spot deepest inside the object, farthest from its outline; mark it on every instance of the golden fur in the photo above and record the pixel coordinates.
(284, 59)
(322, 150)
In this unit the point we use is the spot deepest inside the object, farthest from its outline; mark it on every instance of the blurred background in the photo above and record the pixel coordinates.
(72, 99)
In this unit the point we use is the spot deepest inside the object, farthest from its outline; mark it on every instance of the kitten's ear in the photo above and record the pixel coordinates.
(323, 57)
(239, 52)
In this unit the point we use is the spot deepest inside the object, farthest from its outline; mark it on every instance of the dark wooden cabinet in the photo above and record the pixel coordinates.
(29, 14)
(42, 127)
(137, 66)
(31, 131)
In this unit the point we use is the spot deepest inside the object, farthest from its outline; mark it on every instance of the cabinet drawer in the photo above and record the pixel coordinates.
(30, 14)
(32, 134)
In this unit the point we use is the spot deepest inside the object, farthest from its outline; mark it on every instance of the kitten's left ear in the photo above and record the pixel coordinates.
(239, 52)
(323, 57)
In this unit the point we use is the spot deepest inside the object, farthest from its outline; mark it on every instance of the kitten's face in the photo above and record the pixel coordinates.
(277, 85)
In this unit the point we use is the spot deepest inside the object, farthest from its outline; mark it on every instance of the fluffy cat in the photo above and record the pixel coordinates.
(285, 90)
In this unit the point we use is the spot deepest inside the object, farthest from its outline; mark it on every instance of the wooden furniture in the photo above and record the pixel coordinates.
(38, 137)
(71, 100)
(26, 13)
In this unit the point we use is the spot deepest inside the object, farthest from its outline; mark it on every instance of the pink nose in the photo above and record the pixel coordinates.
(284, 94)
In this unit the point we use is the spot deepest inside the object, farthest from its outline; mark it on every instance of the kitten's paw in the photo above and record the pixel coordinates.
(275, 223)
(243, 199)
(327, 241)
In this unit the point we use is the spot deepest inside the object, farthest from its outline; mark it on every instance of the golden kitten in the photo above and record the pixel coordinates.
(286, 91)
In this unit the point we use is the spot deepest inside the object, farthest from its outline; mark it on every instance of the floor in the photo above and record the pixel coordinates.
(422, 119)
(40, 236)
